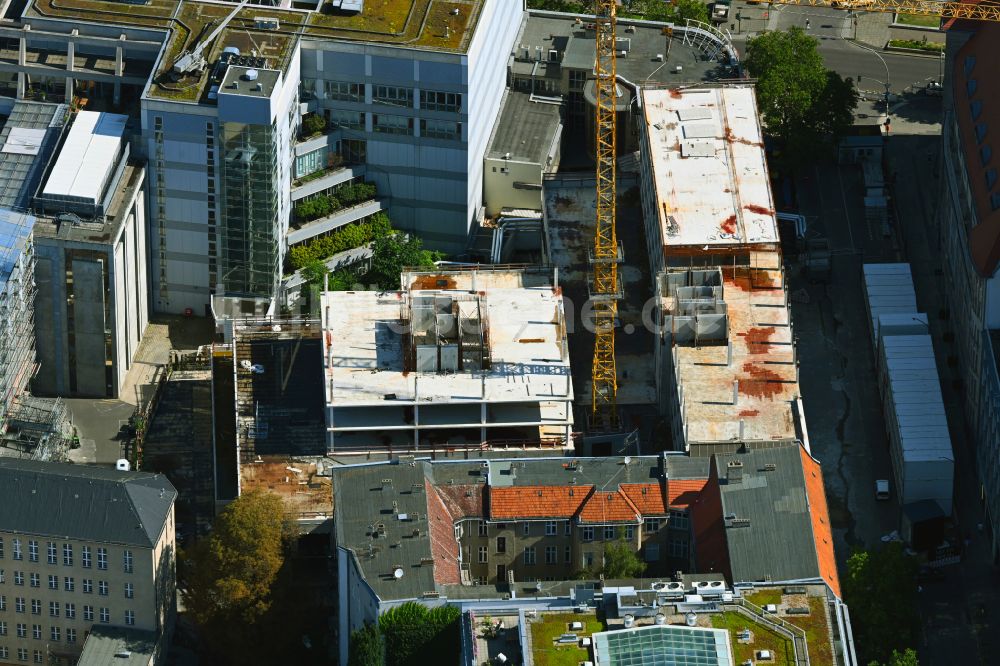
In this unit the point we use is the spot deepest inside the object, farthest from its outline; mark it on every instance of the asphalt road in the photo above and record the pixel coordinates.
(843, 56)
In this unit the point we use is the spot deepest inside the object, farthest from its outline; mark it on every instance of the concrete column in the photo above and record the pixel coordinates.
(22, 78)
(70, 64)
(119, 69)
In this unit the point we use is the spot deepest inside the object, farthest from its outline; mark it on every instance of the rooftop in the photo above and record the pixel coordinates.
(118, 646)
(83, 502)
(303, 484)
(526, 130)
(709, 171)
(27, 140)
(450, 341)
(249, 82)
(663, 644)
(87, 157)
(575, 42)
(746, 387)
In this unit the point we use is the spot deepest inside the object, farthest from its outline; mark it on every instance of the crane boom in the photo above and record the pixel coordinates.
(194, 59)
(960, 10)
(604, 291)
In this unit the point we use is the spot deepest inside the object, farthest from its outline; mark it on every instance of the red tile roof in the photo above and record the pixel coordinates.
(444, 546)
(647, 497)
(820, 518)
(684, 492)
(464, 500)
(527, 502)
(604, 507)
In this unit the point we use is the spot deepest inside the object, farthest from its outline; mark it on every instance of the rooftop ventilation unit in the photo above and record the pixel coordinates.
(251, 75)
(266, 22)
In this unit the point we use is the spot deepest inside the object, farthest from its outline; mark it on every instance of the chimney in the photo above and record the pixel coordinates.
(734, 471)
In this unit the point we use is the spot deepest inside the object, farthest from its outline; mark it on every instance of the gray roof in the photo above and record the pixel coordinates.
(778, 543)
(83, 502)
(21, 165)
(105, 644)
(527, 130)
(362, 503)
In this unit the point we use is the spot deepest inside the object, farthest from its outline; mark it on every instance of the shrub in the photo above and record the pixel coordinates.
(313, 124)
(345, 238)
(343, 197)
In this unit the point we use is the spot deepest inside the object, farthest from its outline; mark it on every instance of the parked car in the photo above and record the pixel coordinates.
(933, 89)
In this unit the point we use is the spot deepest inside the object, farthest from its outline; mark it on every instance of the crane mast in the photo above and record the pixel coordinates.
(605, 256)
(980, 12)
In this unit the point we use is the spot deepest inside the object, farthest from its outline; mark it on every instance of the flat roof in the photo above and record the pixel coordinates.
(249, 81)
(709, 171)
(87, 157)
(303, 484)
(70, 227)
(118, 645)
(28, 138)
(526, 130)
(529, 359)
(746, 393)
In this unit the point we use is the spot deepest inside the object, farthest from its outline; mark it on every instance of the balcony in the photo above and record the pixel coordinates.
(304, 231)
(324, 179)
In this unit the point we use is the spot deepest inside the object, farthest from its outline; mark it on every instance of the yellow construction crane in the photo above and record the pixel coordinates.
(981, 12)
(604, 289)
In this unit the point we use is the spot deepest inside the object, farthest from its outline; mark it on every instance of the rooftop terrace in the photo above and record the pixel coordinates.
(710, 175)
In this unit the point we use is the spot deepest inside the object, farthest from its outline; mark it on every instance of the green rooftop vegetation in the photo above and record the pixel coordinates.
(548, 627)
(763, 639)
(814, 624)
(919, 20)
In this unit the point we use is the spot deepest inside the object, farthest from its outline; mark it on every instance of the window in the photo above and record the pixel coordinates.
(529, 555)
(345, 91)
(38, 655)
(970, 62)
(588, 533)
(3, 628)
(651, 525)
(310, 162)
(985, 153)
(54, 633)
(36, 580)
(17, 549)
(53, 609)
(88, 586)
(991, 178)
(51, 552)
(19, 604)
(448, 130)
(3, 602)
(385, 124)
(483, 529)
(86, 557)
(53, 582)
(980, 135)
(568, 528)
(392, 96)
(88, 613)
(483, 554)
(568, 555)
(609, 533)
(629, 532)
(129, 591)
(501, 544)
(995, 200)
(652, 552)
(22, 654)
(526, 529)
(102, 588)
(71, 635)
(551, 555)
(577, 79)
(679, 520)
(550, 528)
(36, 632)
(22, 630)
(127, 561)
(32, 550)
(105, 615)
(129, 617)
(18, 578)
(68, 583)
(433, 100)
(1, 548)
(976, 108)
(36, 607)
(4, 653)
(70, 611)
(588, 560)
(679, 548)
(102, 558)
(348, 119)
(970, 87)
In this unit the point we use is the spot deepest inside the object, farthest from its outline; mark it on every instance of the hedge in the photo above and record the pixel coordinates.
(345, 238)
(342, 197)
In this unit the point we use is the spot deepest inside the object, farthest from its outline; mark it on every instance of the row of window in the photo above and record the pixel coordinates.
(432, 100)
(678, 549)
(68, 584)
(69, 613)
(678, 520)
(52, 554)
(22, 653)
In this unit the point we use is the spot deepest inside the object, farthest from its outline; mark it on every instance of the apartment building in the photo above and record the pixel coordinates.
(82, 546)
(969, 226)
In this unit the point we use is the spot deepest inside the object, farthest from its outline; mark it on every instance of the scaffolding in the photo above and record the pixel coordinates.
(448, 332)
(37, 428)
(17, 295)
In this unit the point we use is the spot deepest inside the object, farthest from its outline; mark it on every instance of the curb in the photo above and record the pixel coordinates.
(913, 53)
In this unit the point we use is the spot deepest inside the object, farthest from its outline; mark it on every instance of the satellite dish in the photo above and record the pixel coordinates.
(397, 573)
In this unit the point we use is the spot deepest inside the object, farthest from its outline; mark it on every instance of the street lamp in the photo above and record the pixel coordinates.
(886, 82)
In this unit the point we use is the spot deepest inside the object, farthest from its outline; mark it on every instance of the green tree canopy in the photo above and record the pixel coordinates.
(367, 648)
(230, 573)
(412, 633)
(908, 657)
(392, 253)
(803, 105)
(621, 561)
(881, 591)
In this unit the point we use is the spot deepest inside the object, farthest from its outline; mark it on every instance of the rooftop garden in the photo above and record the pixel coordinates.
(814, 624)
(763, 639)
(548, 627)
(919, 21)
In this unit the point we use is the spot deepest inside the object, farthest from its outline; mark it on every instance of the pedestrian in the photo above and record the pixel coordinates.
(807, 24)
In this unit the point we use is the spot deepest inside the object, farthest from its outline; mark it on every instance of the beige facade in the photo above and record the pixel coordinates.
(53, 590)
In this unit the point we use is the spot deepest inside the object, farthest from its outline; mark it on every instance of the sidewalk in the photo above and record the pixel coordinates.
(873, 28)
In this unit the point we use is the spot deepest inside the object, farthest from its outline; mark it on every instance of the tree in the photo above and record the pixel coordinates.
(881, 591)
(668, 12)
(313, 123)
(906, 658)
(367, 648)
(412, 632)
(392, 253)
(802, 104)
(315, 271)
(230, 573)
(620, 561)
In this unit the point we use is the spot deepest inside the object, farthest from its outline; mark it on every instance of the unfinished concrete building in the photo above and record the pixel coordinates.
(726, 369)
(457, 358)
